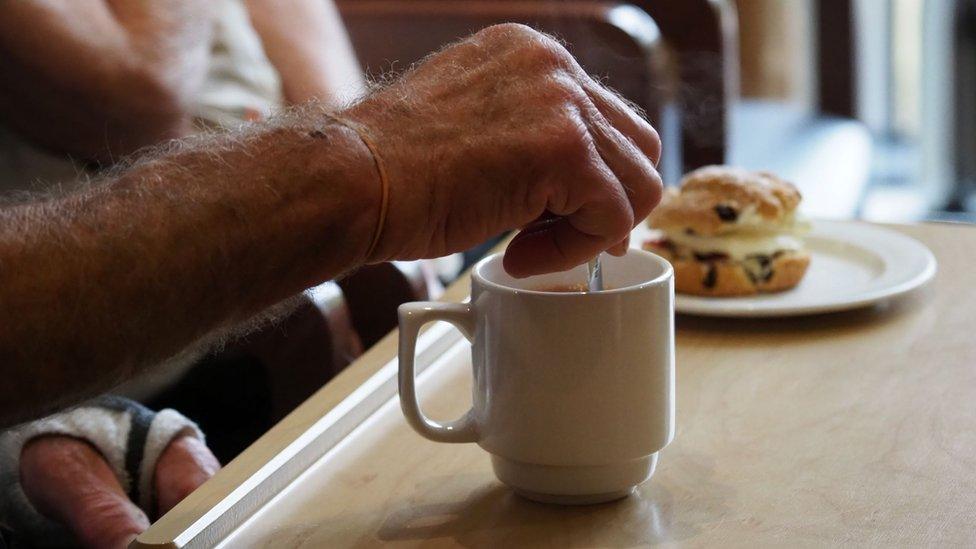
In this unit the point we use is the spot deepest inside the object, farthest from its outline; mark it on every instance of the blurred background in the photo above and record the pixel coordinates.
(910, 64)
(867, 105)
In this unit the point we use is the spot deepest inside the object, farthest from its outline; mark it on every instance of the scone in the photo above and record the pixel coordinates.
(731, 232)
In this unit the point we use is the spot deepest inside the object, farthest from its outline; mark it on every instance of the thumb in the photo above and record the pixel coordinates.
(549, 246)
(555, 243)
(67, 480)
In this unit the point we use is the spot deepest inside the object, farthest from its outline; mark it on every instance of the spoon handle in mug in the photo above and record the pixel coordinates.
(595, 271)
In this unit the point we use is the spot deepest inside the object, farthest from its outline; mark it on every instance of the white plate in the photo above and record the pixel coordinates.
(853, 265)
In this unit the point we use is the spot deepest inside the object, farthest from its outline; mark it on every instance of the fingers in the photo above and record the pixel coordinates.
(67, 480)
(620, 249)
(551, 246)
(516, 128)
(596, 216)
(554, 246)
(185, 464)
(542, 50)
(620, 190)
(618, 112)
(624, 119)
(630, 166)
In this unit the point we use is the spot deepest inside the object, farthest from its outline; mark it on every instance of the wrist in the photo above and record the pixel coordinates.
(320, 194)
(345, 168)
(404, 220)
(382, 178)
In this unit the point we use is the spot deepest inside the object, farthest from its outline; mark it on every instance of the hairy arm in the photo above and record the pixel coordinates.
(308, 45)
(96, 286)
(101, 78)
(501, 131)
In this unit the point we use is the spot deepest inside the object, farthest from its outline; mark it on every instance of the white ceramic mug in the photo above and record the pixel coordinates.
(573, 391)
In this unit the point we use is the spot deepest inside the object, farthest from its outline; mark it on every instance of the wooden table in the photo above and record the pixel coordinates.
(856, 428)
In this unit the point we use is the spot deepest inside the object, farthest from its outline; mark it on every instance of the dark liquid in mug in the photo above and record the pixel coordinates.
(567, 288)
(564, 288)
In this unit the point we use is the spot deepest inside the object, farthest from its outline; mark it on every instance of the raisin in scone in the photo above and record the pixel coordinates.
(731, 232)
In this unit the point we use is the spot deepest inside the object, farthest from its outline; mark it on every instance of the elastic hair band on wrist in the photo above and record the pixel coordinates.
(380, 169)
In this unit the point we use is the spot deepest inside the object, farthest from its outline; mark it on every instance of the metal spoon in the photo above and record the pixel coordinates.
(595, 271)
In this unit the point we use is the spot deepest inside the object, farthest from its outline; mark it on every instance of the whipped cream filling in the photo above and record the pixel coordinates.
(737, 246)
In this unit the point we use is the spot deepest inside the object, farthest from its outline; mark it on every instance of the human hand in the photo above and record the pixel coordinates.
(68, 480)
(505, 130)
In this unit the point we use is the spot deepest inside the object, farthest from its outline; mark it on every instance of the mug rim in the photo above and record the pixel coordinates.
(666, 274)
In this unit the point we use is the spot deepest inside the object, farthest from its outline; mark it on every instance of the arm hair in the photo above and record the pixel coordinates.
(178, 249)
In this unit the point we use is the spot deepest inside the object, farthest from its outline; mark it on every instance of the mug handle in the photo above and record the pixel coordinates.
(412, 317)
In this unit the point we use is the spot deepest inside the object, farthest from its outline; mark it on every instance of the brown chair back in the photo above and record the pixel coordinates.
(304, 350)
(240, 391)
(374, 293)
(703, 34)
(612, 40)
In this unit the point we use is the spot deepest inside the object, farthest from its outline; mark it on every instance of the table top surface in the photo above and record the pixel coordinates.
(849, 428)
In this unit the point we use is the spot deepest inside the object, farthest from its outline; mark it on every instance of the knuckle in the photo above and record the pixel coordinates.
(655, 144)
(656, 192)
(655, 137)
(570, 139)
(560, 90)
(622, 223)
(523, 46)
(543, 51)
(567, 88)
(536, 57)
(109, 517)
(506, 32)
(647, 194)
(642, 205)
(641, 201)
(524, 43)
